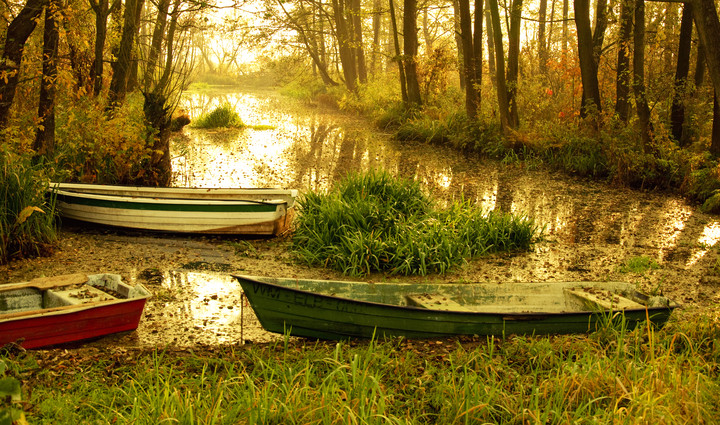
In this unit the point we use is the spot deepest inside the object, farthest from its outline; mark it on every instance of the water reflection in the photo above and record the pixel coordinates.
(595, 227)
(207, 308)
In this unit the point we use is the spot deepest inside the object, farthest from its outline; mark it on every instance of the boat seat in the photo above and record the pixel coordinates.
(597, 299)
(434, 302)
(82, 295)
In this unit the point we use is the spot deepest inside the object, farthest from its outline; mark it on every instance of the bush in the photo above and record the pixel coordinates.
(27, 225)
(374, 222)
(96, 147)
(222, 116)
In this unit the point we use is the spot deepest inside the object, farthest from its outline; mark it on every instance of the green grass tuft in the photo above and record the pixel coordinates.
(639, 264)
(374, 222)
(222, 116)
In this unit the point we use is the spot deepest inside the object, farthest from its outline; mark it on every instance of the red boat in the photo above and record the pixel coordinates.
(69, 308)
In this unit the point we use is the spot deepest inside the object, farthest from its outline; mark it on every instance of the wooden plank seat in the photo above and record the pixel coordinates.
(434, 302)
(597, 299)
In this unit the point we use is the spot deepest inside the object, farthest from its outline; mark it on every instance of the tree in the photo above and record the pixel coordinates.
(643, 109)
(514, 62)
(410, 48)
(121, 66)
(15, 37)
(502, 92)
(677, 112)
(623, 80)
(542, 46)
(45, 135)
(470, 60)
(102, 11)
(587, 57)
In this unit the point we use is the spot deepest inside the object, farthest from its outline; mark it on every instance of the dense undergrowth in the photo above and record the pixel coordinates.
(611, 376)
(375, 222)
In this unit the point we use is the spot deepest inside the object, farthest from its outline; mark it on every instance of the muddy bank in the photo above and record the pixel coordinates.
(592, 230)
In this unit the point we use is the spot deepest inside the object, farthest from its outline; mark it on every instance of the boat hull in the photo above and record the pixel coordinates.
(300, 312)
(67, 323)
(206, 211)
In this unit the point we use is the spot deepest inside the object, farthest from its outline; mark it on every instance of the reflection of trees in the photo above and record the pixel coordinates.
(308, 161)
(352, 149)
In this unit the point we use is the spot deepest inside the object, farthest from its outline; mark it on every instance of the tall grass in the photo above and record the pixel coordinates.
(374, 222)
(27, 225)
(642, 376)
(222, 116)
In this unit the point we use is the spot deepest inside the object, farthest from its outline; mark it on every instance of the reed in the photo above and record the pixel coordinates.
(374, 222)
(613, 376)
(27, 222)
(222, 116)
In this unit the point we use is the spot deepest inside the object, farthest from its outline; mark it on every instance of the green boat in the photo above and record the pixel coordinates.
(341, 310)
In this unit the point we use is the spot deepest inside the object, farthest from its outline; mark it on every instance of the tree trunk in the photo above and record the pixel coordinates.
(700, 66)
(513, 68)
(347, 54)
(17, 34)
(502, 92)
(468, 55)
(677, 111)
(542, 47)
(588, 66)
(357, 40)
(708, 27)
(121, 67)
(478, 50)
(44, 144)
(715, 139)
(623, 81)
(491, 46)
(376, 25)
(132, 77)
(410, 48)
(459, 42)
(643, 110)
(102, 10)
(565, 29)
(398, 56)
(164, 82)
(156, 43)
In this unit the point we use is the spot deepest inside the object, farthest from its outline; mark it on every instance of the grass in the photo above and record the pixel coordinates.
(222, 116)
(611, 376)
(27, 223)
(374, 222)
(639, 264)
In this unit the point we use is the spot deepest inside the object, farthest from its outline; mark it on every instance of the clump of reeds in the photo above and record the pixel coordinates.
(27, 224)
(375, 222)
(222, 116)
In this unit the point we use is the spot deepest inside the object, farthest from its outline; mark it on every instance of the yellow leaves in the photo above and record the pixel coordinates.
(26, 213)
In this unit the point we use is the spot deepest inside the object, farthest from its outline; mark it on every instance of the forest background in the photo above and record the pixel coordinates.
(620, 90)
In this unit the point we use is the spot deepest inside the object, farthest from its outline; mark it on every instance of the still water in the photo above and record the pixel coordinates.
(591, 228)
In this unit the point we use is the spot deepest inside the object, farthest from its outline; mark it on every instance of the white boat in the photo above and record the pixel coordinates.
(262, 211)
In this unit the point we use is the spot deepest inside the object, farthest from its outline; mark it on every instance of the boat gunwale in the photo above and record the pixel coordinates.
(254, 279)
(130, 199)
